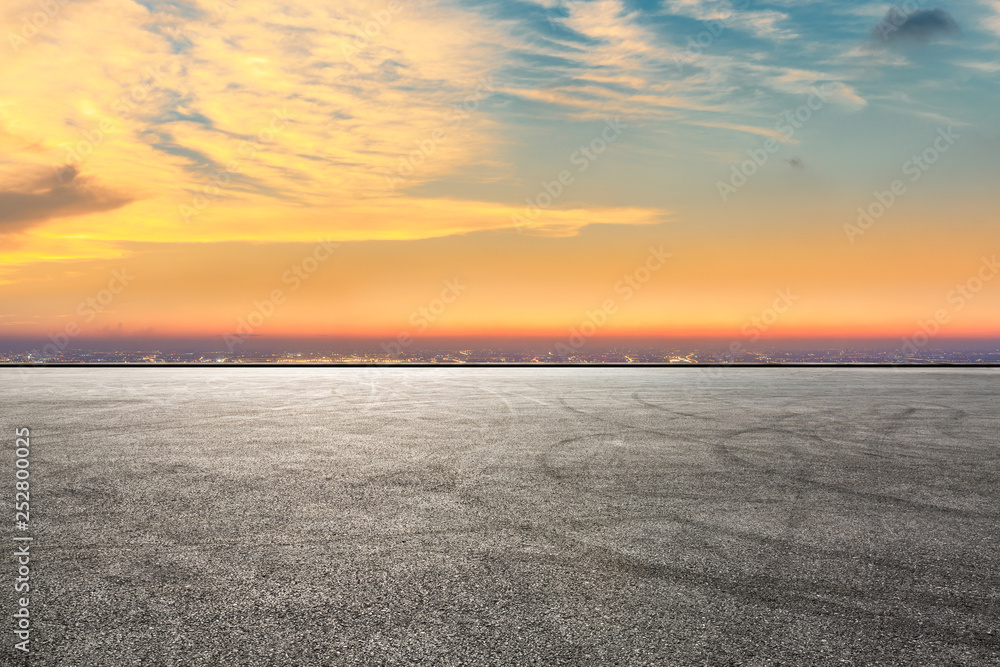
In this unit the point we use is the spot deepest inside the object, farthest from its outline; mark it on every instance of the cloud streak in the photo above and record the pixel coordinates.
(49, 197)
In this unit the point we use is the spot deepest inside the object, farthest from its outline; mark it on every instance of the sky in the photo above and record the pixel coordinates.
(667, 168)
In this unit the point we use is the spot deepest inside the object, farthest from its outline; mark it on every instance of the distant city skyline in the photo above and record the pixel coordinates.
(538, 351)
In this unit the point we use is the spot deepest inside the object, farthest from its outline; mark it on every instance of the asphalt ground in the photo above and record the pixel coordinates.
(507, 516)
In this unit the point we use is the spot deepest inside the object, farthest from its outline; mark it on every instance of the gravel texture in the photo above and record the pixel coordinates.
(509, 516)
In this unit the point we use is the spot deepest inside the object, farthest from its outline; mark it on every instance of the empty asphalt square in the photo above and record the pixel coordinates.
(516, 516)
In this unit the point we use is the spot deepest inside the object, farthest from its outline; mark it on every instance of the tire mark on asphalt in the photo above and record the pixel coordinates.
(635, 395)
(544, 457)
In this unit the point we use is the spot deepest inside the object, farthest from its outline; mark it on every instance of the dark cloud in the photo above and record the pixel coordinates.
(796, 162)
(919, 27)
(60, 194)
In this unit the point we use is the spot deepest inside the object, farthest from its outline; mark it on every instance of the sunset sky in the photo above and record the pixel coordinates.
(332, 168)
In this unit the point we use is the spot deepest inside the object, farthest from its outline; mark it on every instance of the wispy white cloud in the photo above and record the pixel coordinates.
(987, 67)
(749, 129)
(992, 19)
